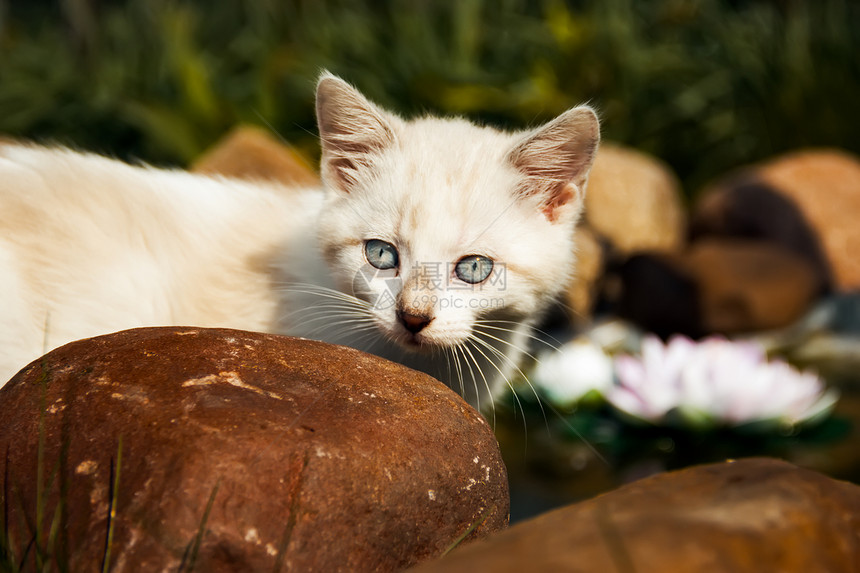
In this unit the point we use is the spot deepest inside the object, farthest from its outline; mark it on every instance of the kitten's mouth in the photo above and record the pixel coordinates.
(415, 342)
(424, 340)
(421, 342)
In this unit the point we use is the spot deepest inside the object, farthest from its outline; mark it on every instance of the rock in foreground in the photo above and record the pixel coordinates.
(310, 457)
(748, 516)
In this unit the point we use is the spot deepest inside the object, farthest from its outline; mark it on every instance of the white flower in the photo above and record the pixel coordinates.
(716, 380)
(573, 371)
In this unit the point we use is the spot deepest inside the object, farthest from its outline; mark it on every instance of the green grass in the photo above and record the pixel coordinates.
(44, 549)
(44, 546)
(705, 84)
(189, 558)
(114, 494)
(472, 527)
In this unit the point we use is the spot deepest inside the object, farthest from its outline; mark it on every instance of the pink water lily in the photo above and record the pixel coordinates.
(715, 380)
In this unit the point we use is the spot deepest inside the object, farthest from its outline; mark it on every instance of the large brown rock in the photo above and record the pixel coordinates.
(251, 153)
(310, 457)
(806, 201)
(634, 202)
(718, 285)
(747, 516)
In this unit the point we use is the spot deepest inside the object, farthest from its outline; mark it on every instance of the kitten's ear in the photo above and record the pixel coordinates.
(556, 158)
(351, 130)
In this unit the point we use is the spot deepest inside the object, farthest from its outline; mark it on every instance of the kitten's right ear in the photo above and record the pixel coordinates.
(351, 130)
(556, 159)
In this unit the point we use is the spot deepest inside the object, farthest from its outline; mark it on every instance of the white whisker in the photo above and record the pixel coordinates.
(459, 370)
(372, 335)
(307, 288)
(351, 326)
(493, 324)
(315, 313)
(511, 363)
(444, 352)
(519, 349)
(477, 343)
(313, 317)
(472, 374)
(336, 310)
(466, 356)
(540, 402)
(481, 372)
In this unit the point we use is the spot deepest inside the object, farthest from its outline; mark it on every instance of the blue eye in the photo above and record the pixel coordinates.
(474, 269)
(381, 255)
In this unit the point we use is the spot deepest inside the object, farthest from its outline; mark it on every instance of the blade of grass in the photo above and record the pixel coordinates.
(291, 520)
(23, 526)
(112, 515)
(194, 548)
(7, 556)
(618, 550)
(470, 529)
(40, 466)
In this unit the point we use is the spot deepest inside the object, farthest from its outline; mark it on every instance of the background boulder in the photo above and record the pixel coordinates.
(634, 201)
(252, 153)
(806, 202)
(633, 205)
(718, 285)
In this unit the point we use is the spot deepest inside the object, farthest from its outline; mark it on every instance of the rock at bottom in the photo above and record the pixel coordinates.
(746, 516)
(240, 452)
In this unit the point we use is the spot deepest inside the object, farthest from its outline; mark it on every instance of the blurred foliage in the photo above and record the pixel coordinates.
(704, 84)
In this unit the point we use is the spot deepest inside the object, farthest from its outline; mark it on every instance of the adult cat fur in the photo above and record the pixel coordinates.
(433, 242)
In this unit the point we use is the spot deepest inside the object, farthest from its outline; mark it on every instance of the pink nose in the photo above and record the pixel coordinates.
(414, 323)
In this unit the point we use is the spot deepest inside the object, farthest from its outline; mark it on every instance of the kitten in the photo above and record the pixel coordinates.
(435, 243)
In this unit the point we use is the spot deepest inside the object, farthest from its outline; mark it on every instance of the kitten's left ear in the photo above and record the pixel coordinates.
(556, 159)
(351, 129)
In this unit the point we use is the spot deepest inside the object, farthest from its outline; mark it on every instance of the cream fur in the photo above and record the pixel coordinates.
(89, 245)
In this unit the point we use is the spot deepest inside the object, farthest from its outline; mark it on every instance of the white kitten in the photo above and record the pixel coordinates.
(435, 243)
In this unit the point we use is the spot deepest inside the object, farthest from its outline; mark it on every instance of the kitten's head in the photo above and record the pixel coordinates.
(442, 225)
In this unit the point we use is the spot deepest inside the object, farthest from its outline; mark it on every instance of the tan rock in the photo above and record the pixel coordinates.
(634, 201)
(251, 153)
(826, 186)
(747, 516)
(309, 457)
(589, 268)
(750, 285)
(820, 200)
(719, 285)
